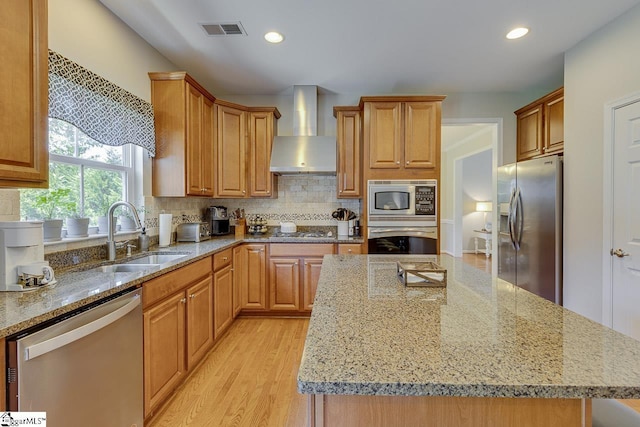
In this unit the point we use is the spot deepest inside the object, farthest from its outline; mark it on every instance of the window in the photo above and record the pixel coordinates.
(95, 175)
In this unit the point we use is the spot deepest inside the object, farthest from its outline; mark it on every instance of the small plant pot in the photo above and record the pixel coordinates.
(77, 227)
(52, 229)
(103, 224)
(126, 223)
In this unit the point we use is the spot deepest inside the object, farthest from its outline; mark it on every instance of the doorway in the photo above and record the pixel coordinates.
(466, 144)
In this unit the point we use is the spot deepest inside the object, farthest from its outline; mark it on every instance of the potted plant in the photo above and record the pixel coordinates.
(77, 226)
(49, 205)
(127, 223)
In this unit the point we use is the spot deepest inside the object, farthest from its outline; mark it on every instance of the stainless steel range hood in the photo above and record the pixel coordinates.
(305, 152)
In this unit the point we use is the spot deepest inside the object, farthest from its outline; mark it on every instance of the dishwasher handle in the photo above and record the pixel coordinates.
(55, 343)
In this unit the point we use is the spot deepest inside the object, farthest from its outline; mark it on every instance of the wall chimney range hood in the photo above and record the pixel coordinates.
(305, 152)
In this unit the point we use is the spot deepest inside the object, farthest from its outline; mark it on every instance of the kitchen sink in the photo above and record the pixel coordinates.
(125, 268)
(156, 259)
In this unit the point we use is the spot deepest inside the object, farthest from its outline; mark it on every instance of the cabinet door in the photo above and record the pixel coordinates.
(239, 259)
(529, 142)
(194, 141)
(230, 152)
(383, 132)
(199, 321)
(223, 299)
(349, 162)
(254, 273)
(206, 148)
(261, 132)
(554, 125)
(421, 135)
(311, 275)
(164, 358)
(284, 283)
(24, 157)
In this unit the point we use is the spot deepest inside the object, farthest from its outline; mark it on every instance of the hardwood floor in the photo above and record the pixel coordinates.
(249, 379)
(479, 261)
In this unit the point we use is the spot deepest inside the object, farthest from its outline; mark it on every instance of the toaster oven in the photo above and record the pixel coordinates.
(192, 232)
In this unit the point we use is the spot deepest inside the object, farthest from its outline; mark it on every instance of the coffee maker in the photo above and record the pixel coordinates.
(218, 220)
(22, 264)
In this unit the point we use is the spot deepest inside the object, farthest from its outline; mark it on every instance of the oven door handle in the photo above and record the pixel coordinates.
(389, 230)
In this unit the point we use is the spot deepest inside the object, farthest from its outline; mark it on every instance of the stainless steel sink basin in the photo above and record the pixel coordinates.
(125, 268)
(156, 259)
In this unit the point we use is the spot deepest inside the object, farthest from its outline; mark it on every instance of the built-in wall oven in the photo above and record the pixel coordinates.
(402, 217)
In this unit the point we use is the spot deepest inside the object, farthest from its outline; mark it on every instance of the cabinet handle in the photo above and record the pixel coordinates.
(295, 263)
(349, 251)
(192, 296)
(224, 258)
(183, 300)
(398, 162)
(407, 161)
(243, 191)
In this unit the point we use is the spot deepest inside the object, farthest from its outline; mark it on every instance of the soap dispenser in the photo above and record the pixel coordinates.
(143, 240)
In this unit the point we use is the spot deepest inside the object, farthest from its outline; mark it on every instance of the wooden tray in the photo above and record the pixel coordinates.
(423, 274)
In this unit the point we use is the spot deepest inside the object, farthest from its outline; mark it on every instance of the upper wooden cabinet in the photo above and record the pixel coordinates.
(230, 150)
(24, 157)
(401, 136)
(184, 122)
(244, 137)
(349, 162)
(541, 127)
(262, 128)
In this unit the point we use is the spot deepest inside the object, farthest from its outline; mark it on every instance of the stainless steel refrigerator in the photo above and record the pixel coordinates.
(530, 226)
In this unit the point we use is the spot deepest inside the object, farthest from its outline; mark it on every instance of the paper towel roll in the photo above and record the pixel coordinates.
(165, 229)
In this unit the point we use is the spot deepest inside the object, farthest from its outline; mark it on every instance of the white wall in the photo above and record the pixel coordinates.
(603, 67)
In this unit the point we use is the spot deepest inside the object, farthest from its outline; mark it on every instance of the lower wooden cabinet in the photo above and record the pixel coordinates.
(349, 248)
(294, 270)
(178, 328)
(223, 292)
(251, 276)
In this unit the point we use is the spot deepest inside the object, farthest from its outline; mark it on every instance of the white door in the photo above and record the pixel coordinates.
(625, 254)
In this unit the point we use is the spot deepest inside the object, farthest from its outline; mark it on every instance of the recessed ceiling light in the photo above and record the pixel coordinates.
(273, 37)
(516, 33)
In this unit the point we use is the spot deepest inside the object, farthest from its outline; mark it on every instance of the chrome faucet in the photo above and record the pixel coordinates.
(111, 244)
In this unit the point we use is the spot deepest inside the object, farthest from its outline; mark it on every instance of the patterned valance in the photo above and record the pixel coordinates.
(102, 110)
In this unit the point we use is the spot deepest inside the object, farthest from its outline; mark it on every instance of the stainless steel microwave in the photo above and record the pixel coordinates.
(392, 202)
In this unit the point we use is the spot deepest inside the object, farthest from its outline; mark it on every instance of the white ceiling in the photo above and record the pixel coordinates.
(370, 47)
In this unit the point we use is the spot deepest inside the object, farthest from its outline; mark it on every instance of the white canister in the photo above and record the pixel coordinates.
(343, 228)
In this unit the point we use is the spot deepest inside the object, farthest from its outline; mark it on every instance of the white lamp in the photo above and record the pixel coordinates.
(485, 207)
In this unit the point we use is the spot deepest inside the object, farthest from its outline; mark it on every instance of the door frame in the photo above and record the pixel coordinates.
(497, 156)
(607, 202)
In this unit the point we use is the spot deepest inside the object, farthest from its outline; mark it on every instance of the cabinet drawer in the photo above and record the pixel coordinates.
(349, 248)
(161, 287)
(300, 249)
(222, 259)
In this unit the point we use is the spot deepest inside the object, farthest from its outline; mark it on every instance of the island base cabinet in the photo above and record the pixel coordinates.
(442, 411)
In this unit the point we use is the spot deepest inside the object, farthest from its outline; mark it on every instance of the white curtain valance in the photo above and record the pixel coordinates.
(99, 108)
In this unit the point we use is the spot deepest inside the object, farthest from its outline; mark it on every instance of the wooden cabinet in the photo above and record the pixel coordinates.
(223, 291)
(24, 157)
(230, 150)
(238, 279)
(294, 270)
(178, 328)
(349, 248)
(184, 122)
(250, 268)
(401, 136)
(541, 127)
(262, 128)
(349, 166)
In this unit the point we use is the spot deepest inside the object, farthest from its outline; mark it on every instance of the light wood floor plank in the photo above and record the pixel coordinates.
(249, 379)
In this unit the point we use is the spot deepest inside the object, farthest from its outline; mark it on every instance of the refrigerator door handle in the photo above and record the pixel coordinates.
(519, 220)
(511, 219)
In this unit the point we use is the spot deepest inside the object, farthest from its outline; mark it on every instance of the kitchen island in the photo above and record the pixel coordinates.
(478, 352)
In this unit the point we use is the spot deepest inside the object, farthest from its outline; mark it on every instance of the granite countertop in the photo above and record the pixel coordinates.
(76, 289)
(369, 335)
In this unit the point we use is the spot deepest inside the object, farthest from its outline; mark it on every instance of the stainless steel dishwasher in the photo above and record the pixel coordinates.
(85, 370)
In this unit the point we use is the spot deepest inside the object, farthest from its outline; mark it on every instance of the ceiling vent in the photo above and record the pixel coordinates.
(224, 29)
